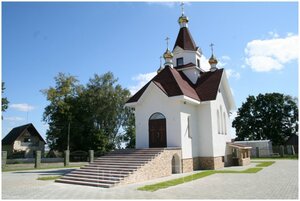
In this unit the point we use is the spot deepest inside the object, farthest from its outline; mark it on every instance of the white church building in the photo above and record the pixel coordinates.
(186, 107)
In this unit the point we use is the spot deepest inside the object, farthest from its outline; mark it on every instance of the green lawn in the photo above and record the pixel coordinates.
(49, 178)
(265, 163)
(174, 182)
(42, 168)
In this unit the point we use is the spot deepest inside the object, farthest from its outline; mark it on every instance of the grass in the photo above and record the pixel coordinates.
(174, 182)
(42, 168)
(49, 178)
(265, 163)
(294, 157)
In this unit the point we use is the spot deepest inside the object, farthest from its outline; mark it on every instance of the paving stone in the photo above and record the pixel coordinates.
(278, 181)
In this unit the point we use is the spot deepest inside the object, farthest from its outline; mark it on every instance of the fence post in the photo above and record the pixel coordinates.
(257, 152)
(37, 161)
(67, 158)
(91, 156)
(4, 158)
(281, 151)
(293, 150)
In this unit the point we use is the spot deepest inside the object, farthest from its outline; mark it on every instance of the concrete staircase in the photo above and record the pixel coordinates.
(109, 170)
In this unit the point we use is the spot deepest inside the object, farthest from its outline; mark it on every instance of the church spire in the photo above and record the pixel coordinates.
(168, 55)
(184, 39)
(212, 60)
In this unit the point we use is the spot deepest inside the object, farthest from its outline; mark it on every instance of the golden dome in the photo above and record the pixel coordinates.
(212, 60)
(183, 19)
(168, 54)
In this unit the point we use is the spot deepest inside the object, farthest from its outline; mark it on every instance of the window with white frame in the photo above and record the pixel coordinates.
(218, 121)
(225, 129)
(189, 127)
(221, 120)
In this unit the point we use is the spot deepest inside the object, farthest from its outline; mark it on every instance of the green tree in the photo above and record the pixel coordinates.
(129, 129)
(270, 116)
(96, 112)
(58, 114)
(4, 100)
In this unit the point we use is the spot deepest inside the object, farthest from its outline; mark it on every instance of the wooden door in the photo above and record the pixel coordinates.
(157, 133)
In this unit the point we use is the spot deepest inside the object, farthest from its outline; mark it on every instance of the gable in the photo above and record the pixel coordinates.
(18, 131)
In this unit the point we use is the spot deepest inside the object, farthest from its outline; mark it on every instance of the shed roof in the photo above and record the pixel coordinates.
(18, 131)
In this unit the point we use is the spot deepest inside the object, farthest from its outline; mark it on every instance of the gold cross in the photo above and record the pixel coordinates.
(167, 39)
(182, 8)
(212, 48)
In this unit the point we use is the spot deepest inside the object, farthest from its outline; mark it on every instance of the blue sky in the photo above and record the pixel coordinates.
(257, 43)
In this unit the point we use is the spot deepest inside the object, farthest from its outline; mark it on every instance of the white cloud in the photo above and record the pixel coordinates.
(225, 58)
(204, 63)
(232, 73)
(273, 34)
(271, 54)
(23, 107)
(169, 4)
(13, 119)
(141, 80)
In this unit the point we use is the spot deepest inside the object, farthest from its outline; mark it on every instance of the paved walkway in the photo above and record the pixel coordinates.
(279, 181)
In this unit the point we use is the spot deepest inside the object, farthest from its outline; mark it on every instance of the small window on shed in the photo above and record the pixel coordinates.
(179, 61)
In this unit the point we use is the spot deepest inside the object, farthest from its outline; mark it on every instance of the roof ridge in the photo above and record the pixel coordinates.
(171, 70)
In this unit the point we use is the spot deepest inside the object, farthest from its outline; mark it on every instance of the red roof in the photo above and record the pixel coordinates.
(185, 40)
(185, 66)
(174, 83)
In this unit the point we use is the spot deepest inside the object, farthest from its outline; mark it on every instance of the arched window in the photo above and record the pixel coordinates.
(218, 120)
(157, 115)
(222, 124)
(225, 129)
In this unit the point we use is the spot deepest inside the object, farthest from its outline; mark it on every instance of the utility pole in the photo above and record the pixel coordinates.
(69, 127)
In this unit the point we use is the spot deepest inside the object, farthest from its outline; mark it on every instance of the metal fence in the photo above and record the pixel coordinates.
(274, 151)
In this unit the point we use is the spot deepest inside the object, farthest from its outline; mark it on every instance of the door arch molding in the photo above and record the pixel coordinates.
(157, 130)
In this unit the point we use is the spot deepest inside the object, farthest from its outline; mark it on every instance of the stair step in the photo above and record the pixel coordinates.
(115, 162)
(108, 169)
(131, 154)
(102, 172)
(99, 177)
(90, 180)
(121, 159)
(128, 157)
(124, 166)
(96, 184)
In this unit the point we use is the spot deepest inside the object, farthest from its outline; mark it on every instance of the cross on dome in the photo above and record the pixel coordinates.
(212, 48)
(182, 8)
(167, 39)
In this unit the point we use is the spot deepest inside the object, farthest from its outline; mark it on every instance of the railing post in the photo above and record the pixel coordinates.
(37, 161)
(67, 158)
(91, 156)
(4, 159)
(257, 152)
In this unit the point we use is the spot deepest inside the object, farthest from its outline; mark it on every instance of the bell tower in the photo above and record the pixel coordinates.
(186, 54)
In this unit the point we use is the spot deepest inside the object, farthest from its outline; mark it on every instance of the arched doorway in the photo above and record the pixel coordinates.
(157, 131)
(175, 164)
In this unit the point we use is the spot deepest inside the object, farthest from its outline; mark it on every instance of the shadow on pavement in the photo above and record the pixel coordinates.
(46, 172)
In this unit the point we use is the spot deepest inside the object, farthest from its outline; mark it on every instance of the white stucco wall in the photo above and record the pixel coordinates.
(204, 142)
(189, 133)
(220, 138)
(154, 100)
